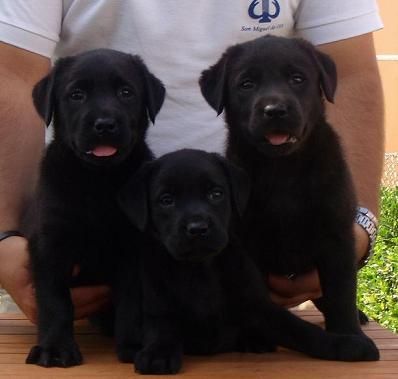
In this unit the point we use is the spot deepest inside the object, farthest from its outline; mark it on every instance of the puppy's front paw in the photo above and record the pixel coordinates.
(54, 356)
(127, 353)
(363, 318)
(158, 362)
(356, 348)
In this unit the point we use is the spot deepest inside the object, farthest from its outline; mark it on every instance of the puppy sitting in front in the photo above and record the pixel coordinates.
(100, 103)
(301, 209)
(201, 293)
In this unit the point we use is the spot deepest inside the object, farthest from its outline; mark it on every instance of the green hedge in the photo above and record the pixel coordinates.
(378, 281)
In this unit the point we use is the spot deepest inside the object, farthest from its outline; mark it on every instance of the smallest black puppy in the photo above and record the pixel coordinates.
(201, 293)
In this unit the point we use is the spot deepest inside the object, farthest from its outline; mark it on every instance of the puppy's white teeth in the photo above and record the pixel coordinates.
(90, 152)
(292, 139)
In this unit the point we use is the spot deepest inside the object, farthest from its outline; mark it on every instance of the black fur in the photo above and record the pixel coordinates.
(201, 292)
(301, 208)
(100, 102)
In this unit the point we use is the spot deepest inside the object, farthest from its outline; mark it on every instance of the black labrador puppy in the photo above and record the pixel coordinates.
(100, 103)
(301, 209)
(201, 293)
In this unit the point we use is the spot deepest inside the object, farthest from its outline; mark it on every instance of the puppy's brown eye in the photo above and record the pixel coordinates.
(215, 194)
(247, 84)
(78, 95)
(166, 200)
(296, 79)
(126, 92)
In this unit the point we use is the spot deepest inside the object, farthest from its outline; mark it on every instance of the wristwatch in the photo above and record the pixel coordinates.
(368, 221)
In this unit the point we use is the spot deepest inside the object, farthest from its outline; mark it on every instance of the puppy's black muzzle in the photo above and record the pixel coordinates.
(197, 229)
(105, 126)
(105, 139)
(276, 111)
(275, 125)
(196, 239)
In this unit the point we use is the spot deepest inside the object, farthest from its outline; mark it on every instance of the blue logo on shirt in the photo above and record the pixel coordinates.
(262, 13)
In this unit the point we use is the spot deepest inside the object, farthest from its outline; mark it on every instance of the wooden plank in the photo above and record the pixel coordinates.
(31, 339)
(13, 316)
(27, 329)
(226, 368)
(25, 348)
(17, 336)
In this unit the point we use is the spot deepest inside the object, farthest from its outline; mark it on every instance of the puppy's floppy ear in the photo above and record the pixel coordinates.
(154, 88)
(133, 197)
(43, 92)
(328, 72)
(43, 98)
(239, 183)
(155, 95)
(326, 67)
(212, 84)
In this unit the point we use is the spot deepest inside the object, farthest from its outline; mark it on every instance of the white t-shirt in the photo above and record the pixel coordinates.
(178, 40)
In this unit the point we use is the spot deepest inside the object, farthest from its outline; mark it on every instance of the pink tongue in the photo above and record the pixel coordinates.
(277, 139)
(104, 151)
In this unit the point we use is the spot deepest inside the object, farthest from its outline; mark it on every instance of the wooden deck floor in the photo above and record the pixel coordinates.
(17, 335)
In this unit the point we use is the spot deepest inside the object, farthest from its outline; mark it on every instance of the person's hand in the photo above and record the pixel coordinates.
(292, 292)
(15, 276)
(16, 279)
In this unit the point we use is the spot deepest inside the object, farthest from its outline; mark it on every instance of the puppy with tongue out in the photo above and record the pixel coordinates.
(100, 103)
(301, 210)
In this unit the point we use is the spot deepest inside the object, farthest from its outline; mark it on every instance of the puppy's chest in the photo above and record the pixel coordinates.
(203, 315)
(281, 217)
(200, 294)
(98, 223)
(279, 198)
(101, 209)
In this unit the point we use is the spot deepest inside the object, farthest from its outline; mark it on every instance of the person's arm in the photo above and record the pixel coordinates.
(22, 141)
(21, 146)
(21, 130)
(357, 116)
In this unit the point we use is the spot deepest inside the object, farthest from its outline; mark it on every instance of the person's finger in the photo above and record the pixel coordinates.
(302, 284)
(290, 302)
(89, 299)
(89, 294)
(91, 308)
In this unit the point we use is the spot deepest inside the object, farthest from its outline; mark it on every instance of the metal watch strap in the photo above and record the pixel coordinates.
(9, 233)
(368, 221)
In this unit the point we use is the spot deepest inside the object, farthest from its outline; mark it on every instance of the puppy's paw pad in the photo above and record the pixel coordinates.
(152, 362)
(357, 348)
(55, 357)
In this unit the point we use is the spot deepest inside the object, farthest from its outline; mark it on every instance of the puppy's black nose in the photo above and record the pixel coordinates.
(197, 228)
(277, 110)
(105, 125)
